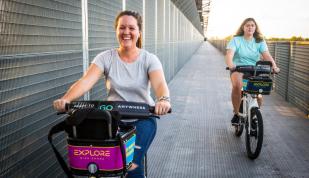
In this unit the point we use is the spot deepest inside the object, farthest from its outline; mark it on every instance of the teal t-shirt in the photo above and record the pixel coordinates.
(246, 52)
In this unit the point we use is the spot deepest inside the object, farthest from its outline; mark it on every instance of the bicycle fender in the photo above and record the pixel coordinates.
(252, 104)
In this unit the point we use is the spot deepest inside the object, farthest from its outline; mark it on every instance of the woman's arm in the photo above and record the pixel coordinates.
(80, 87)
(229, 58)
(266, 56)
(161, 90)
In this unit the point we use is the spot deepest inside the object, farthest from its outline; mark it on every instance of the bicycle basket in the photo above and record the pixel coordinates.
(105, 156)
(258, 85)
(109, 153)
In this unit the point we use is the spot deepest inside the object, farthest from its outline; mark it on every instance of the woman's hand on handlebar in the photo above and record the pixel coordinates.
(162, 107)
(231, 67)
(276, 70)
(59, 105)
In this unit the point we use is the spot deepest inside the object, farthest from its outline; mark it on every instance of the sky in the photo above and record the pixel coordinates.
(276, 18)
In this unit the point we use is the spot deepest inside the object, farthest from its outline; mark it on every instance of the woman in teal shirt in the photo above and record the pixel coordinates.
(246, 48)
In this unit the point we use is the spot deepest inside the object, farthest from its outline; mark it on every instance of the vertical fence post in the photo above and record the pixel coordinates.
(290, 86)
(275, 56)
(156, 27)
(85, 40)
(288, 69)
(123, 5)
(144, 26)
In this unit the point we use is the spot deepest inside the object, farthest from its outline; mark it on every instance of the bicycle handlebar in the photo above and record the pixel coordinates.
(252, 69)
(123, 109)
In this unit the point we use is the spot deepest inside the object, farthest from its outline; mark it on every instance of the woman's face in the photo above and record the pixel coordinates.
(127, 31)
(249, 28)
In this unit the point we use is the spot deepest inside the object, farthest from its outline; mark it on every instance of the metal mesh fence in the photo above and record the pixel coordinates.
(41, 56)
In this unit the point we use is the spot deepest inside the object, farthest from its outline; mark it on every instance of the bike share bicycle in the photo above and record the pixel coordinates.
(97, 146)
(256, 81)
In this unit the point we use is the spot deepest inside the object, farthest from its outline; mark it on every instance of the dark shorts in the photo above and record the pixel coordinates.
(246, 74)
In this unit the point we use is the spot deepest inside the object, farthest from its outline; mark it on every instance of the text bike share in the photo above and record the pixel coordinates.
(256, 81)
(97, 146)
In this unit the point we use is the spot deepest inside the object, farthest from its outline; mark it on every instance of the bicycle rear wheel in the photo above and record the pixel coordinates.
(254, 139)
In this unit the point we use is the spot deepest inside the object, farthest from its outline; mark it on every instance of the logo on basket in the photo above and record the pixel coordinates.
(81, 105)
(91, 152)
(131, 107)
(106, 107)
(261, 84)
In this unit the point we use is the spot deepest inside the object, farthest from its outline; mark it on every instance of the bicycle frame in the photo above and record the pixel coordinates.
(249, 102)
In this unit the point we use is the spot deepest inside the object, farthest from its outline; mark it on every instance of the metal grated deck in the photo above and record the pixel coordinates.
(197, 140)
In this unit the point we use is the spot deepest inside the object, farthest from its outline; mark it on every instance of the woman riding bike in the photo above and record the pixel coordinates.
(129, 71)
(245, 49)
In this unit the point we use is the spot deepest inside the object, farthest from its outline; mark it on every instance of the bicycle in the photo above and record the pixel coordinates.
(92, 150)
(256, 81)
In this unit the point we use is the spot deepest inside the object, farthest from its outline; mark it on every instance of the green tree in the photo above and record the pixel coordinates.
(296, 38)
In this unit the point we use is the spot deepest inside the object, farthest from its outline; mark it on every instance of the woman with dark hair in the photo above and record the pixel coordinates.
(246, 48)
(129, 73)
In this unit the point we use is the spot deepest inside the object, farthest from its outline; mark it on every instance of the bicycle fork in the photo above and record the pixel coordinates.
(249, 102)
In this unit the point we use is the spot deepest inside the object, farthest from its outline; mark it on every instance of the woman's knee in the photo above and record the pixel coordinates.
(236, 79)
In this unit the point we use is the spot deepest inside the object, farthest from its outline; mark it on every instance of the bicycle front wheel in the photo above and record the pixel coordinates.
(254, 138)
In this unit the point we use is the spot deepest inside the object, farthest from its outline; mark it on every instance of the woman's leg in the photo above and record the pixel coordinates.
(236, 79)
(260, 100)
(145, 133)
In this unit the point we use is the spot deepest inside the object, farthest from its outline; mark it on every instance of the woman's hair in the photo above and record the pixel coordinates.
(257, 34)
(139, 23)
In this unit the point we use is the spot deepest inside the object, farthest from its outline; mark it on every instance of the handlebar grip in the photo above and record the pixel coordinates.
(66, 107)
(231, 69)
(152, 109)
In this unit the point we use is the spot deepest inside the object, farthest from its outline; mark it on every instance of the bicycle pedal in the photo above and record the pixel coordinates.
(236, 124)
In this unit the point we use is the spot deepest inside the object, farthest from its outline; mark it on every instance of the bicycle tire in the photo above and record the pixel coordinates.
(254, 140)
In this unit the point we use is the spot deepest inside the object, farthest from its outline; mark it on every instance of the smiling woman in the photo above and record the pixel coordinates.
(129, 73)
(128, 25)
